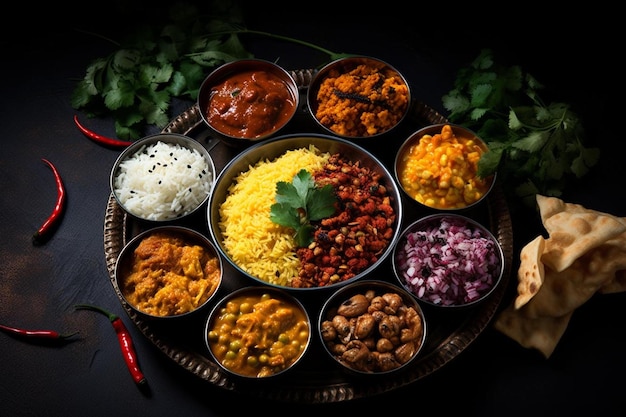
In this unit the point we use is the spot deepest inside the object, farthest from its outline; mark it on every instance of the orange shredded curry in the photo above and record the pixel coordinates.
(364, 101)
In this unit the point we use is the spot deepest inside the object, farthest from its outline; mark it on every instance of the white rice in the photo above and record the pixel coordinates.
(163, 181)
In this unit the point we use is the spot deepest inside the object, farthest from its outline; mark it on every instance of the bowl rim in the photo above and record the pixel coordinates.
(354, 288)
(319, 76)
(292, 141)
(434, 218)
(414, 138)
(192, 235)
(280, 294)
(227, 69)
(176, 138)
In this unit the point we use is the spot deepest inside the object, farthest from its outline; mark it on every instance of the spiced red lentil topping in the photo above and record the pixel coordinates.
(351, 240)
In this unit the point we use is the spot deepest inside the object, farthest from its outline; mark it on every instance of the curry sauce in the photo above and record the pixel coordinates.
(169, 276)
(258, 334)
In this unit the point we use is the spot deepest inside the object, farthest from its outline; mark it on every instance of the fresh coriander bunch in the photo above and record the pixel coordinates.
(534, 147)
(135, 84)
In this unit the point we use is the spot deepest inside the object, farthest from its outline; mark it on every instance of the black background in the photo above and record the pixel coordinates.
(46, 50)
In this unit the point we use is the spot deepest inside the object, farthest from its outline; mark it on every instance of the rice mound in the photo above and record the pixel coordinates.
(163, 181)
(259, 246)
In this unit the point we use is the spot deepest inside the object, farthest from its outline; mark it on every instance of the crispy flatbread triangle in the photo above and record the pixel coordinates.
(530, 273)
(541, 333)
(614, 262)
(573, 230)
(589, 248)
(563, 292)
(549, 206)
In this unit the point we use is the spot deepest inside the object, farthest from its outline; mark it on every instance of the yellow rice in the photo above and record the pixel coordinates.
(255, 243)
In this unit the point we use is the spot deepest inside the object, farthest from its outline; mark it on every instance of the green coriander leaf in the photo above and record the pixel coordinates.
(286, 193)
(481, 94)
(121, 96)
(217, 51)
(571, 123)
(579, 168)
(488, 164)
(456, 102)
(187, 80)
(513, 78)
(125, 128)
(178, 84)
(152, 74)
(154, 107)
(587, 158)
(82, 94)
(514, 121)
(126, 59)
(532, 82)
(484, 60)
(304, 235)
(478, 113)
(284, 215)
(173, 37)
(543, 114)
(129, 118)
(303, 182)
(321, 203)
(533, 142)
(488, 78)
(91, 84)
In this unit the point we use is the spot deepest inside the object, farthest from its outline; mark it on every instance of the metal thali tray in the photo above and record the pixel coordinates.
(316, 379)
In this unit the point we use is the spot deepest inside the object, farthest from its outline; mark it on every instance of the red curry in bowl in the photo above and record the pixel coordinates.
(248, 100)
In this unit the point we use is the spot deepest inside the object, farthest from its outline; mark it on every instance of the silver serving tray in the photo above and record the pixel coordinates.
(312, 382)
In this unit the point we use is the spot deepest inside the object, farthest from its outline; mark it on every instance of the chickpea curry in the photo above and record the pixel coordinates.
(258, 335)
(169, 276)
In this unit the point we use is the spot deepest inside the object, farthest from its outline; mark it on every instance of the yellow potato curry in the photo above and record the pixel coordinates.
(169, 276)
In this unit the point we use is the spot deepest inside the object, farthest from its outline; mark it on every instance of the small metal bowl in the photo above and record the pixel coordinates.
(261, 264)
(168, 272)
(448, 260)
(258, 333)
(420, 174)
(247, 101)
(389, 328)
(163, 186)
(358, 98)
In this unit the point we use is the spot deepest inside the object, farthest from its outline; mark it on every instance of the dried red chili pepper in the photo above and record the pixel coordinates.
(44, 231)
(125, 341)
(36, 334)
(104, 140)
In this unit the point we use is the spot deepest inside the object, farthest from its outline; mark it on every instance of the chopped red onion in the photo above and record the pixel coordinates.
(450, 262)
